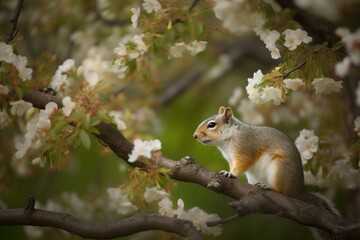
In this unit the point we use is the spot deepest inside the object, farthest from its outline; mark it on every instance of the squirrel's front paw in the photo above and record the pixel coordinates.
(227, 174)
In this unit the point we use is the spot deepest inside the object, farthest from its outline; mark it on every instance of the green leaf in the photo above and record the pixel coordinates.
(95, 121)
(198, 29)
(86, 121)
(57, 128)
(85, 139)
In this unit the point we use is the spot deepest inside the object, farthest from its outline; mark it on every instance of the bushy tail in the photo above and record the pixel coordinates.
(325, 204)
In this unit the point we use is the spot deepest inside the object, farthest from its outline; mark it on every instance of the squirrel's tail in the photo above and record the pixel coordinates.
(325, 204)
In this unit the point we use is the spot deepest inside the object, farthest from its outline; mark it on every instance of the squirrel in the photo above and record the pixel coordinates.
(268, 157)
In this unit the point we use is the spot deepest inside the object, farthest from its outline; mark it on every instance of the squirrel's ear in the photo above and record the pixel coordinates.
(221, 110)
(228, 114)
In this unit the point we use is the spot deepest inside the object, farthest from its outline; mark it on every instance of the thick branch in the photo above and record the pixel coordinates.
(108, 230)
(269, 203)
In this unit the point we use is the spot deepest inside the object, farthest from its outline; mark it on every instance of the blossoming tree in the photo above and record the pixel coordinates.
(85, 83)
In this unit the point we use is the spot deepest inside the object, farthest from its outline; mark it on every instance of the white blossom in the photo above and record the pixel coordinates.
(44, 121)
(6, 53)
(22, 148)
(4, 89)
(166, 207)
(151, 6)
(144, 148)
(4, 120)
(200, 219)
(269, 38)
(118, 116)
(293, 84)
(252, 88)
(177, 50)
(154, 194)
(293, 38)
(19, 107)
(342, 68)
(352, 42)
(120, 202)
(135, 16)
(236, 96)
(326, 85)
(121, 50)
(67, 66)
(38, 161)
(272, 94)
(61, 81)
(307, 144)
(69, 105)
(196, 47)
(20, 63)
(141, 46)
(92, 78)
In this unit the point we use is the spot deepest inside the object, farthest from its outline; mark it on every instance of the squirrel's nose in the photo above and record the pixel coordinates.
(195, 135)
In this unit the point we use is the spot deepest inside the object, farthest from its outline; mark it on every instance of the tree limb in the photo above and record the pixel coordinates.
(86, 229)
(252, 199)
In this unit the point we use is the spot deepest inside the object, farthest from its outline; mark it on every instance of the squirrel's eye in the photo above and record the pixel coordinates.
(211, 124)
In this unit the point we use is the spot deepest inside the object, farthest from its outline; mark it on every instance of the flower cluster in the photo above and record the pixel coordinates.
(352, 43)
(129, 50)
(269, 38)
(307, 144)
(177, 50)
(144, 148)
(262, 94)
(326, 85)
(196, 215)
(293, 38)
(60, 82)
(34, 137)
(151, 6)
(19, 62)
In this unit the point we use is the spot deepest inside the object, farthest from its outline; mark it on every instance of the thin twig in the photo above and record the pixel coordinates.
(223, 221)
(194, 3)
(285, 75)
(13, 30)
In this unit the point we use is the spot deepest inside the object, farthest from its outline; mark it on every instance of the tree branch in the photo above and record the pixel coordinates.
(253, 199)
(13, 29)
(94, 230)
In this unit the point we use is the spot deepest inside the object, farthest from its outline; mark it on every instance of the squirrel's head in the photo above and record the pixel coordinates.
(213, 130)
